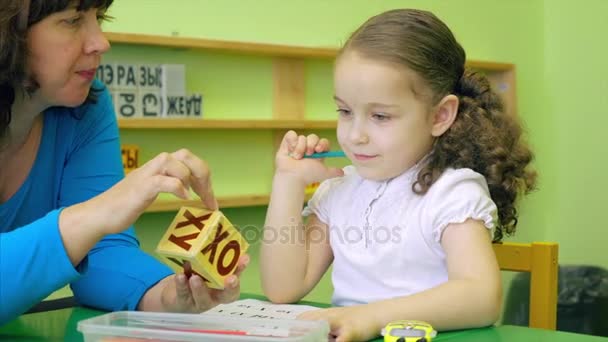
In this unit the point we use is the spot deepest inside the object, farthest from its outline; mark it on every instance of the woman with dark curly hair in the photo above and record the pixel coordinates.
(65, 210)
(437, 167)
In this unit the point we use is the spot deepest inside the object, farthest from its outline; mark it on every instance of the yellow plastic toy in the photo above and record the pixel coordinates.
(408, 331)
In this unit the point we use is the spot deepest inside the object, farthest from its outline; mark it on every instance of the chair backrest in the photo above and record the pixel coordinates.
(541, 260)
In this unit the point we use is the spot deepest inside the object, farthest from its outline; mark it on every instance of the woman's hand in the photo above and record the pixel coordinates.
(177, 293)
(174, 173)
(82, 225)
(351, 323)
(290, 158)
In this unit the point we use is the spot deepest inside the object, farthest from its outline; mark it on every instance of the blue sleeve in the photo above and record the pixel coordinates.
(33, 260)
(33, 263)
(118, 272)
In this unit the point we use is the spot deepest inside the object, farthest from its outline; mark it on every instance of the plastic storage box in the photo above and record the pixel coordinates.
(133, 326)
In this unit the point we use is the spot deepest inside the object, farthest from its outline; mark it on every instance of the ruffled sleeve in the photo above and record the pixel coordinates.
(459, 195)
(320, 203)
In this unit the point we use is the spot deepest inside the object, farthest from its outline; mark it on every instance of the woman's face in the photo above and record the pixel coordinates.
(65, 50)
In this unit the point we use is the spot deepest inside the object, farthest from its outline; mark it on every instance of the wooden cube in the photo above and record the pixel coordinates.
(127, 104)
(207, 240)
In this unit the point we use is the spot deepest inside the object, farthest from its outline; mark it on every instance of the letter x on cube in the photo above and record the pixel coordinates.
(205, 239)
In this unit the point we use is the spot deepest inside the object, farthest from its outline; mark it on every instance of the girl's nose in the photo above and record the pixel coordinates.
(358, 134)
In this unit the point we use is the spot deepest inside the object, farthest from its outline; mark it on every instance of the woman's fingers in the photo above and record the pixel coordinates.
(232, 283)
(242, 264)
(198, 167)
(176, 169)
(166, 164)
(193, 294)
(200, 177)
(231, 291)
(201, 294)
(183, 297)
(169, 184)
(185, 167)
(204, 189)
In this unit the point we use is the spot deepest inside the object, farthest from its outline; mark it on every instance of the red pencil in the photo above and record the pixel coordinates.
(211, 331)
(206, 331)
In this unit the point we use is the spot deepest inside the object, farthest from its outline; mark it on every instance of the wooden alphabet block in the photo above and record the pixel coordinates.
(150, 76)
(205, 239)
(173, 80)
(127, 104)
(151, 103)
(106, 73)
(126, 76)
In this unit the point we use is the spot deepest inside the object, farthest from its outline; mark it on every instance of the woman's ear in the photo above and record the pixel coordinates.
(444, 114)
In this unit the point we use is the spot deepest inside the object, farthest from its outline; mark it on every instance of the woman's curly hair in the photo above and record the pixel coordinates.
(16, 17)
(483, 137)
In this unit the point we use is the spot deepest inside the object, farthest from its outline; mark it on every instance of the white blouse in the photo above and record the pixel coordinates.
(385, 238)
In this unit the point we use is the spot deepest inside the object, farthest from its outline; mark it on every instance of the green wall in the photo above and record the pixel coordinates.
(240, 87)
(576, 103)
(555, 46)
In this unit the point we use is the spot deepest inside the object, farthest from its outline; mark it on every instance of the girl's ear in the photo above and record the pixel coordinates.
(444, 114)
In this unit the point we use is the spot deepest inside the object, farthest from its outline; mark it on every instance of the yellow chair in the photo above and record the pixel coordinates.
(540, 259)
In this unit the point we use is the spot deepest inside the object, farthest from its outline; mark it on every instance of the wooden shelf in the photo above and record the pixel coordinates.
(220, 45)
(224, 124)
(490, 66)
(254, 48)
(163, 205)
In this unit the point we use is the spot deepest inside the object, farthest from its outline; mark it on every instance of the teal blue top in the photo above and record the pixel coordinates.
(78, 158)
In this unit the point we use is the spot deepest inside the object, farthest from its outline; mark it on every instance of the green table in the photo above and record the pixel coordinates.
(60, 325)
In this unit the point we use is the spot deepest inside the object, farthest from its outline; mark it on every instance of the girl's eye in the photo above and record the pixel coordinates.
(343, 112)
(380, 116)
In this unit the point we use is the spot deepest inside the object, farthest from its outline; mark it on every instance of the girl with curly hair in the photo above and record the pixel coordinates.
(437, 168)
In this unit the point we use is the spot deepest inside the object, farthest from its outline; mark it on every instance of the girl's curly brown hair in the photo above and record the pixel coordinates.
(16, 17)
(482, 137)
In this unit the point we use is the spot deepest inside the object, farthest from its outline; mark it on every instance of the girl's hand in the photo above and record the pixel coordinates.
(290, 158)
(180, 294)
(174, 173)
(352, 323)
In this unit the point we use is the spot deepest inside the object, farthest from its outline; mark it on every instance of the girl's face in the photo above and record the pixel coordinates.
(65, 50)
(382, 127)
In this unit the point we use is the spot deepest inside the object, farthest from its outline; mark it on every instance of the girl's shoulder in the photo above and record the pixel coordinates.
(458, 195)
(463, 180)
(339, 186)
(351, 178)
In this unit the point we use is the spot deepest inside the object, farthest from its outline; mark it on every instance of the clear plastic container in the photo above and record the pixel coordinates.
(132, 326)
